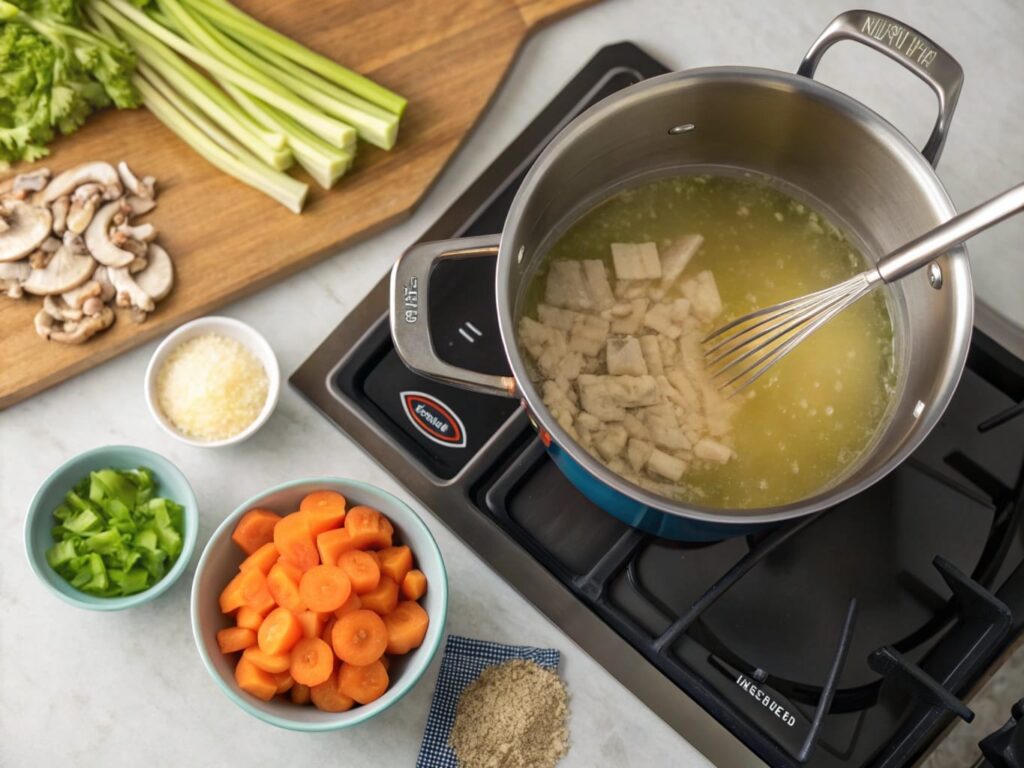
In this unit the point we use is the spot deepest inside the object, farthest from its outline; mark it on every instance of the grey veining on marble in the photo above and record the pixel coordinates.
(79, 688)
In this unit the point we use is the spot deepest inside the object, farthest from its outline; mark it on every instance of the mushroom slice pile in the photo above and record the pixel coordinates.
(73, 240)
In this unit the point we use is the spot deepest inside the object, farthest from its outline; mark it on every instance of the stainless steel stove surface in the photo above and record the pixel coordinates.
(848, 638)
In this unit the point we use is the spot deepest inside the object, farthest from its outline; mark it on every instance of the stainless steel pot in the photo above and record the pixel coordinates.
(818, 142)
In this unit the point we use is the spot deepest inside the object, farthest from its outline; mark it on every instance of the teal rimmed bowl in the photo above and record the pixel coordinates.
(170, 482)
(219, 563)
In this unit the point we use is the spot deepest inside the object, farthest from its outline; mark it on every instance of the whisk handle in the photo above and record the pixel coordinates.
(922, 250)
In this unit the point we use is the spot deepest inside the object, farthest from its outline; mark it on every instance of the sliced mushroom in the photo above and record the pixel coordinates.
(73, 332)
(98, 172)
(32, 181)
(93, 305)
(39, 259)
(143, 232)
(97, 238)
(138, 264)
(58, 309)
(50, 245)
(75, 242)
(65, 271)
(107, 290)
(27, 227)
(77, 297)
(12, 277)
(140, 205)
(81, 212)
(129, 292)
(60, 209)
(158, 278)
(144, 188)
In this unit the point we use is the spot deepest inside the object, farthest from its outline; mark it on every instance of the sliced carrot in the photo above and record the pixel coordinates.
(263, 558)
(384, 598)
(326, 510)
(359, 637)
(414, 585)
(255, 592)
(352, 604)
(406, 627)
(273, 663)
(248, 618)
(328, 696)
(311, 622)
(396, 562)
(374, 554)
(312, 661)
(300, 694)
(232, 597)
(324, 588)
(368, 528)
(325, 635)
(254, 529)
(361, 569)
(254, 680)
(231, 639)
(331, 544)
(284, 682)
(279, 632)
(285, 588)
(363, 684)
(295, 541)
(386, 661)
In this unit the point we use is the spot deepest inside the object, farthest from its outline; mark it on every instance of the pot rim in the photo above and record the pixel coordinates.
(958, 280)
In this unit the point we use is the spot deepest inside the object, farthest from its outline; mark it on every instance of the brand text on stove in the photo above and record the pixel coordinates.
(766, 700)
(424, 413)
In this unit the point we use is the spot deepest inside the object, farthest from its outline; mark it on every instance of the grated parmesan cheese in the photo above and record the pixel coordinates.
(211, 387)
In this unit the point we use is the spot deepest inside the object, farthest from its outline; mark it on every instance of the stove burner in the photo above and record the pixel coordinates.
(843, 639)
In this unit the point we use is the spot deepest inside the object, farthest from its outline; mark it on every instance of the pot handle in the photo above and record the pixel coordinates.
(410, 318)
(905, 45)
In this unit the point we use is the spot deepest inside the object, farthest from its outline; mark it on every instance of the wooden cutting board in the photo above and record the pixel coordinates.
(447, 57)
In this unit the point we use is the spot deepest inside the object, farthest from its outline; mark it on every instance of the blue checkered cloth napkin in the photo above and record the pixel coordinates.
(464, 659)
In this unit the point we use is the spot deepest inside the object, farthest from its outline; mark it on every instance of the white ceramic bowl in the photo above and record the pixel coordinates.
(246, 335)
(219, 563)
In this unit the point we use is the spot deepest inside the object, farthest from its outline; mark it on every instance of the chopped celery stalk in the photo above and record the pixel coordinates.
(123, 15)
(373, 124)
(125, 538)
(231, 18)
(280, 186)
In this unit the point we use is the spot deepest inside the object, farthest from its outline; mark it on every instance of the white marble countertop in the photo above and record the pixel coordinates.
(81, 688)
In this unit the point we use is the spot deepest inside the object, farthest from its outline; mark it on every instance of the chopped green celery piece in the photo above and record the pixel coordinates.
(115, 537)
(60, 553)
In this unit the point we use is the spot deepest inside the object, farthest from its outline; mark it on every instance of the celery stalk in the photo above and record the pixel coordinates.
(327, 128)
(231, 18)
(280, 186)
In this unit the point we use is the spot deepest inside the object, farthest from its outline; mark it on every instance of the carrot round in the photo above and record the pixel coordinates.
(263, 558)
(255, 592)
(232, 597)
(326, 510)
(368, 528)
(331, 544)
(231, 639)
(359, 637)
(312, 661)
(395, 562)
(275, 664)
(363, 683)
(361, 569)
(248, 618)
(352, 604)
(254, 529)
(324, 588)
(328, 696)
(295, 542)
(384, 598)
(414, 585)
(312, 623)
(299, 694)
(255, 681)
(279, 632)
(406, 627)
(284, 682)
(325, 635)
(283, 583)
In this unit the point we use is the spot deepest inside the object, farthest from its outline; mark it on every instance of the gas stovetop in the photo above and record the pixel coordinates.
(849, 638)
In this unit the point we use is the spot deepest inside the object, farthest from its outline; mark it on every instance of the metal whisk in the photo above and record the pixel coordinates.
(740, 352)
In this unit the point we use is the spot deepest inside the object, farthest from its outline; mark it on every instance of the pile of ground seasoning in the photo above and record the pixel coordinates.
(512, 716)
